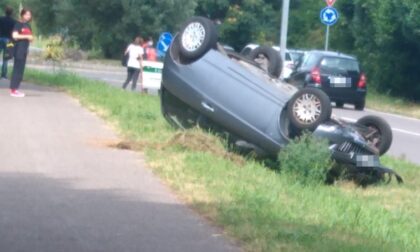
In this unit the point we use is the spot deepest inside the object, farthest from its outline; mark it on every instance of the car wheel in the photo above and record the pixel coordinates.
(308, 108)
(360, 105)
(377, 132)
(339, 104)
(268, 59)
(198, 35)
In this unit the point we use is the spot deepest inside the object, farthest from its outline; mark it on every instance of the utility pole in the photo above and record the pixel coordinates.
(284, 25)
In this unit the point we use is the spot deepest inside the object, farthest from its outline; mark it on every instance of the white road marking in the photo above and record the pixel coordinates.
(406, 132)
(394, 115)
(394, 129)
(348, 119)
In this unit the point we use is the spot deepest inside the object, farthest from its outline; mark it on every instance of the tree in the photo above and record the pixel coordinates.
(384, 35)
(110, 25)
(244, 21)
(387, 41)
(305, 28)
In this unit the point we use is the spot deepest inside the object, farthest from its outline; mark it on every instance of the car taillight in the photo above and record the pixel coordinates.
(316, 75)
(362, 81)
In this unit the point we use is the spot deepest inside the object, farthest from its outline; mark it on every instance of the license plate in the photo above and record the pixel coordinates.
(341, 82)
(367, 161)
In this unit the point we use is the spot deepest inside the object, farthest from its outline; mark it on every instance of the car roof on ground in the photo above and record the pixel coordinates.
(333, 54)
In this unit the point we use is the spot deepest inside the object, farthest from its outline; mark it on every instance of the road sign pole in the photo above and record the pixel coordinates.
(284, 25)
(327, 38)
(329, 16)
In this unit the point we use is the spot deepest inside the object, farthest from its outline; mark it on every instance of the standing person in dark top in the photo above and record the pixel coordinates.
(22, 34)
(6, 27)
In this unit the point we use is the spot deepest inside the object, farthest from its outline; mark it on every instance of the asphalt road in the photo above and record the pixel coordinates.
(63, 188)
(406, 130)
(113, 75)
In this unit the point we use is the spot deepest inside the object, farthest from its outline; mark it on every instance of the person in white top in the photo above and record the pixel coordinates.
(135, 62)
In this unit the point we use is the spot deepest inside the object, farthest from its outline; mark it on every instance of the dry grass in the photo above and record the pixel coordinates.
(394, 105)
(197, 140)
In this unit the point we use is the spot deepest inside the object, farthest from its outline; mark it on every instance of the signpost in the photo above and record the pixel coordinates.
(330, 3)
(329, 16)
(163, 44)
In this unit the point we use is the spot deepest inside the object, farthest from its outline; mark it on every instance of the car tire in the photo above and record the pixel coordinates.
(274, 64)
(308, 108)
(198, 35)
(339, 104)
(383, 134)
(360, 105)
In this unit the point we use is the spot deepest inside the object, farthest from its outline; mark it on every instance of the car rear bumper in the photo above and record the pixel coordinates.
(353, 96)
(347, 95)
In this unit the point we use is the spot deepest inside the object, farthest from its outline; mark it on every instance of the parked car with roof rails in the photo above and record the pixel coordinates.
(337, 74)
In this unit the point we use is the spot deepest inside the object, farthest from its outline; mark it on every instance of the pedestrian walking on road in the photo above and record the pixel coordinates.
(6, 27)
(135, 62)
(22, 35)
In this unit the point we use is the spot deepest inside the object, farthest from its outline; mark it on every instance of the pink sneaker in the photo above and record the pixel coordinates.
(16, 93)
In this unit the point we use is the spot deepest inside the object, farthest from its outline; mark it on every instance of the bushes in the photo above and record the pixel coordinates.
(306, 160)
(54, 49)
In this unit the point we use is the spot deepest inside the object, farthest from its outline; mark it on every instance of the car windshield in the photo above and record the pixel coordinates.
(295, 56)
(340, 64)
(246, 51)
(310, 60)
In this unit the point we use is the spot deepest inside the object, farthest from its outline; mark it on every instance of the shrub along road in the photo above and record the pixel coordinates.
(63, 188)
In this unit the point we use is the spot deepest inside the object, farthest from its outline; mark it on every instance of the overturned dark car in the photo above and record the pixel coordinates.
(204, 85)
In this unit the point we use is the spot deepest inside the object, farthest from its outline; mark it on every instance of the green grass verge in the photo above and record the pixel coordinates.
(263, 210)
(386, 103)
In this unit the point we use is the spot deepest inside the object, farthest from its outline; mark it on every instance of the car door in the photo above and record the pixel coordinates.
(297, 78)
(301, 77)
(237, 98)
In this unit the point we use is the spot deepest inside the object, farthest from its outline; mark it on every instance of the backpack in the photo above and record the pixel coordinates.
(10, 50)
(124, 59)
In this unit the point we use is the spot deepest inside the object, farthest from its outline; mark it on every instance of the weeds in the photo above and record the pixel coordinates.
(386, 103)
(306, 160)
(197, 140)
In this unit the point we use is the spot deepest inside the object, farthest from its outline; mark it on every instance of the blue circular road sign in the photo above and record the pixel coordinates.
(329, 16)
(165, 36)
(163, 44)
